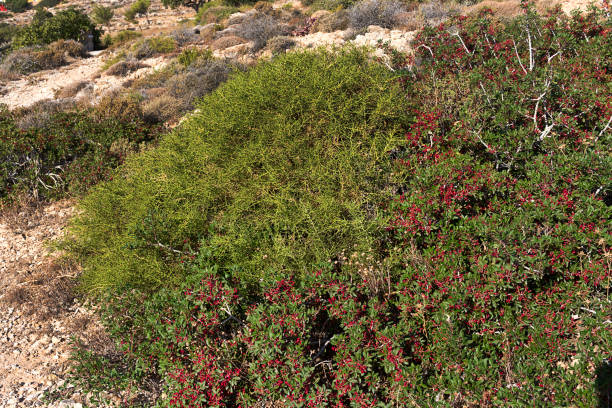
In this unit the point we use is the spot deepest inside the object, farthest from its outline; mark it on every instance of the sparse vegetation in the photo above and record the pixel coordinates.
(383, 13)
(49, 150)
(32, 59)
(123, 68)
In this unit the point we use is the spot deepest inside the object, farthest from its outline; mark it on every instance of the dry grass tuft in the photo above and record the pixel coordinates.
(123, 68)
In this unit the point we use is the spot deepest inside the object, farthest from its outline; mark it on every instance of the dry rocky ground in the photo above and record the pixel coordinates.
(38, 311)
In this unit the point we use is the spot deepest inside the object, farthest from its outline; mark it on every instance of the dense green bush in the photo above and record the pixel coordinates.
(47, 3)
(67, 24)
(16, 6)
(7, 32)
(62, 153)
(279, 168)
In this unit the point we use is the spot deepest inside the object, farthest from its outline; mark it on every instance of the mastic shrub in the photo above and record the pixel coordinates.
(16, 6)
(69, 24)
(278, 168)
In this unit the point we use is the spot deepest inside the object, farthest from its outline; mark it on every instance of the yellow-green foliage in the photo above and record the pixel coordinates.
(279, 169)
(152, 46)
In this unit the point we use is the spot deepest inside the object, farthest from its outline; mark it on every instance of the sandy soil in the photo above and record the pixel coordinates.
(38, 312)
(44, 84)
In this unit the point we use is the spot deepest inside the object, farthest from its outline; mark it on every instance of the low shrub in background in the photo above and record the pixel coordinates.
(33, 59)
(16, 6)
(152, 46)
(190, 55)
(260, 28)
(68, 24)
(123, 68)
(276, 170)
(139, 7)
(214, 12)
(383, 13)
(101, 15)
(123, 37)
(47, 3)
(7, 32)
(280, 44)
(57, 152)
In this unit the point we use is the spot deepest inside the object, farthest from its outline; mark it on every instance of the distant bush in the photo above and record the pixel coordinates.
(7, 32)
(16, 6)
(72, 89)
(264, 173)
(280, 44)
(190, 55)
(183, 36)
(260, 28)
(197, 81)
(64, 25)
(383, 13)
(33, 59)
(52, 153)
(69, 48)
(150, 47)
(139, 7)
(123, 37)
(331, 22)
(101, 15)
(215, 12)
(227, 41)
(47, 3)
(123, 68)
(162, 108)
(118, 105)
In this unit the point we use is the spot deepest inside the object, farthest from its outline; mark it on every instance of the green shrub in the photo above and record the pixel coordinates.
(102, 15)
(16, 6)
(47, 3)
(150, 47)
(123, 37)
(214, 12)
(67, 24)
(277, 169)
(190, 55)
(139, 7)
(57, 152)
(7, 32)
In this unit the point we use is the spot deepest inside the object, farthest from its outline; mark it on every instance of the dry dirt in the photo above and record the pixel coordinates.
(38, 311)
(44, 84)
